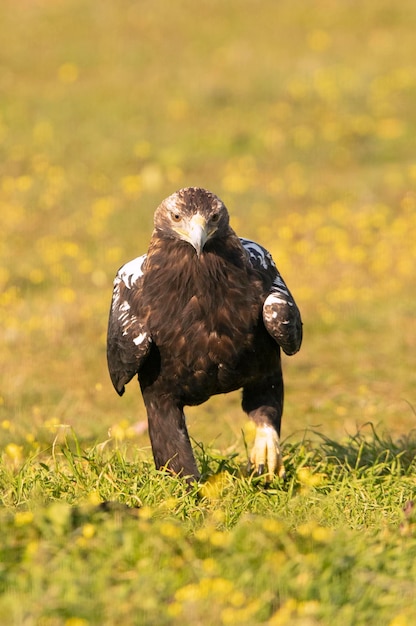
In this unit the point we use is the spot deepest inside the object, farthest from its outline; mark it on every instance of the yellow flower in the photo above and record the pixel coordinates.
(131, 185)
(151, 176)
(22, 518)
(94, 498)
(285, 614)
(219, 538)
(170, 530)
(322, 534)
(216, 587)
(14, 452)
(76, 621)
(174, 609)
(209, 565)
(52, 423)
(390, 128)
(67, 295)
(188, 593)
(146, 512)
(272, 526)
(319, 40)
(88, 531)
(308, 479)
(142, 149)
(214, 486)
(68, 73)
(400, 620)
(244, 615)
(31, 549)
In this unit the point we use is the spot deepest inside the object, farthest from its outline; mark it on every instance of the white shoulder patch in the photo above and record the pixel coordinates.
(257, 253)
(140, 338)
(132, 271)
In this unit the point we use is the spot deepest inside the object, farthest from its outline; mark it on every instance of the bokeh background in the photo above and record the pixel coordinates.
(300, 116)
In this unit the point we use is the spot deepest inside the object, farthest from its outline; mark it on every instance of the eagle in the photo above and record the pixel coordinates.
(203, 312)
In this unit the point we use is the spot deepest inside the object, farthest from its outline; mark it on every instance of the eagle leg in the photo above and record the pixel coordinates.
(263, 403)
(169, 437)
(266, 452)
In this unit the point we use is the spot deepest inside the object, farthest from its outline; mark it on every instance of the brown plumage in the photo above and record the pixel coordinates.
(203, 312)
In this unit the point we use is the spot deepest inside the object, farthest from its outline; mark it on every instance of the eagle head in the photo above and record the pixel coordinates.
(193, 215)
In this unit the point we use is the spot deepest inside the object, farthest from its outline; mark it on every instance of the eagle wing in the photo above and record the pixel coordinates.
(128, 340)
(281, 315)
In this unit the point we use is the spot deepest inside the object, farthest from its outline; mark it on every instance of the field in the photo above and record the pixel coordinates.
(301, 117)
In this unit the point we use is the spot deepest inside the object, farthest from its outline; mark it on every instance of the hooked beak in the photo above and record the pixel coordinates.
(196, 232)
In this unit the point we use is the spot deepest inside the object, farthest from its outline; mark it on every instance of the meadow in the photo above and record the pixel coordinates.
(301, 117)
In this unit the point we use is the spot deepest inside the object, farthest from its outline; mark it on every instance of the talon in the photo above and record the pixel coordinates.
(266, 452)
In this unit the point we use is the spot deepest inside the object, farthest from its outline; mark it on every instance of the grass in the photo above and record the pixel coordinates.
(302, 121)
(92, 537)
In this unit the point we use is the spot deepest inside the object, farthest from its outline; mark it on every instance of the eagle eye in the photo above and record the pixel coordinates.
(176, 217)
(215, 217)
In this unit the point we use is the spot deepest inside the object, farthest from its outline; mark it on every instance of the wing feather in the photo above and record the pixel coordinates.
(128, 341)
(281, 315)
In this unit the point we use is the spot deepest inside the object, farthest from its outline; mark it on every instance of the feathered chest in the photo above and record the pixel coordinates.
(201, 307)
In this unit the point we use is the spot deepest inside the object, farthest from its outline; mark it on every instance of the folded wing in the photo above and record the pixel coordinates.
(281, 315)
(128, 341)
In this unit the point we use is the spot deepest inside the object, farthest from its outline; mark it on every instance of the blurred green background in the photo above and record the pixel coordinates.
(301, 116)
